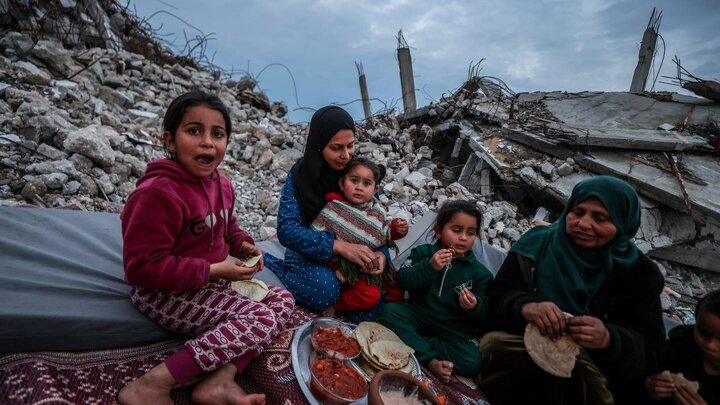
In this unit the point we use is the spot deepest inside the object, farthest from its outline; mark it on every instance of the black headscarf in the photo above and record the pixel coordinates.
(312, 176)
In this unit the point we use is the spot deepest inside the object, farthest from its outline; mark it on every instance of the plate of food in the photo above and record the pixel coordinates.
(382, 349)
(330, 339)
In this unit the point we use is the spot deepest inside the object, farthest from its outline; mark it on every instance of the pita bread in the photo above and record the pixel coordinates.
(393, 354)
(254, 289)
(679, 379)
(370, 369)
(251, 262)
(381, 347)
(557, 358)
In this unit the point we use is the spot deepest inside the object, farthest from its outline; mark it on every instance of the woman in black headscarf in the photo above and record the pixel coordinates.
(585, 265)
(330, 146)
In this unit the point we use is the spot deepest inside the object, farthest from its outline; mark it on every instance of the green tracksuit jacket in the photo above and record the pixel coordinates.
(432, 321)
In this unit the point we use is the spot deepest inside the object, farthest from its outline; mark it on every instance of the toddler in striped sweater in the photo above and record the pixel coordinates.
(355, 216)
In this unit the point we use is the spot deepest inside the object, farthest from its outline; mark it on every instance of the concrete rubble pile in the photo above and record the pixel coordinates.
(84, 141)
(79, 122)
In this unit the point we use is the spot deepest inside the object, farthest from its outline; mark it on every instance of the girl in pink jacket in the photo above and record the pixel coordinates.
(178, 229)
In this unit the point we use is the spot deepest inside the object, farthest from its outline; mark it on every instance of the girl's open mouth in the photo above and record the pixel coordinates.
(206, 160)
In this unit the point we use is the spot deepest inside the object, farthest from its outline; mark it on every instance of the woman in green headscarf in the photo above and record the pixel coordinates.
(585, 265)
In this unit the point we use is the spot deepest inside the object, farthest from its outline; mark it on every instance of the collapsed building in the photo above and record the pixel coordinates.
(532, 148)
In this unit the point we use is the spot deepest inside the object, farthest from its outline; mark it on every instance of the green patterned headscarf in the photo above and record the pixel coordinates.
(570, 275)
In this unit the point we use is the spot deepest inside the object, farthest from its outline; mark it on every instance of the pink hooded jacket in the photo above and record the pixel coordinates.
(175, 225)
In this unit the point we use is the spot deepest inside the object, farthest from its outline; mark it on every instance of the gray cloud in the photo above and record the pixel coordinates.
(541, 45)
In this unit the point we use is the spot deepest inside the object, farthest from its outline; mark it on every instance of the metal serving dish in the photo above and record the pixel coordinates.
(300, 350)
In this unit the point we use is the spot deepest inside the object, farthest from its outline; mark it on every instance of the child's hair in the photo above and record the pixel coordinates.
(194, 98)
(377, 170)
(710, 303)
(450, 208)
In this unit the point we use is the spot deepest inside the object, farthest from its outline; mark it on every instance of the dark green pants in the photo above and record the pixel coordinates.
(510, 376)
(432, 340)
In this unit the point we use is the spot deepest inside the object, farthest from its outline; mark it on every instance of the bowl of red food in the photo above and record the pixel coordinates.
(334, 339)
(333, 382)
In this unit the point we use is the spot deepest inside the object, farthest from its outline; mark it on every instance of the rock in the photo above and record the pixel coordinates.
(71, 187)
(93, 142)
(34, 189)
(142, 114)
(547, 168)
(565, 169)
(416, 180)
(50, 152)
(31, 73)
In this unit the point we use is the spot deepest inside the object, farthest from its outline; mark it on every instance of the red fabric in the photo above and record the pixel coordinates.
(395, 234)
(175, 225)
(359, 297)
(333, 196)
(393, 292)
(225, 326)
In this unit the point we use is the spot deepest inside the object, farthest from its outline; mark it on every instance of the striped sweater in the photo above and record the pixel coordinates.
(365, 224)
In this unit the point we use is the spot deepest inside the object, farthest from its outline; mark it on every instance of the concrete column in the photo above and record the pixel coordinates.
(407, 81)
(363, 90)
(645, 56)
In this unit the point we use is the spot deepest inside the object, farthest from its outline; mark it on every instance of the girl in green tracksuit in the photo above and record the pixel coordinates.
(446, 284)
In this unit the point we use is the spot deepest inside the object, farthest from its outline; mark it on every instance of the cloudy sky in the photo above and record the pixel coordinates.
(539, 45)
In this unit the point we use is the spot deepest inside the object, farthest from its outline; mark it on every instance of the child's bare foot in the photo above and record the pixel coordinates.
(219, 387)
(341, 277)
(152, 387)
(329, 311)
(442, 369)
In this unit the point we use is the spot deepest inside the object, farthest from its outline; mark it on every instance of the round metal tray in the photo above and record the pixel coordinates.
(300, 350)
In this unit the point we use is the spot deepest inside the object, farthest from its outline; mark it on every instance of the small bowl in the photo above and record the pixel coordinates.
(401, 382)
(330, 323)
(324, 394)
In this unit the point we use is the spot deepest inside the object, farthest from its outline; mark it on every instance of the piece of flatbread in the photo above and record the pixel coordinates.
(251, 262)
(254, 289)
(679, 379)
(368, 333)
(390, 353)
(557, 358)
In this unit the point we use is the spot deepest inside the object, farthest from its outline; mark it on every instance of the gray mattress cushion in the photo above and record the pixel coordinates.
(61, 283)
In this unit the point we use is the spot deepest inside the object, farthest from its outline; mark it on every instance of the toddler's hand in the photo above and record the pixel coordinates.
(441, 258)
(467, 299)
(401, 226)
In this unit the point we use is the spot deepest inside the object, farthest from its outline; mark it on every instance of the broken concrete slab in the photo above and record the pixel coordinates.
(487, 149)
(627, 110)
(621, 138)
(705, 257)
(469, 176)
(660, 225)
(661, 185)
